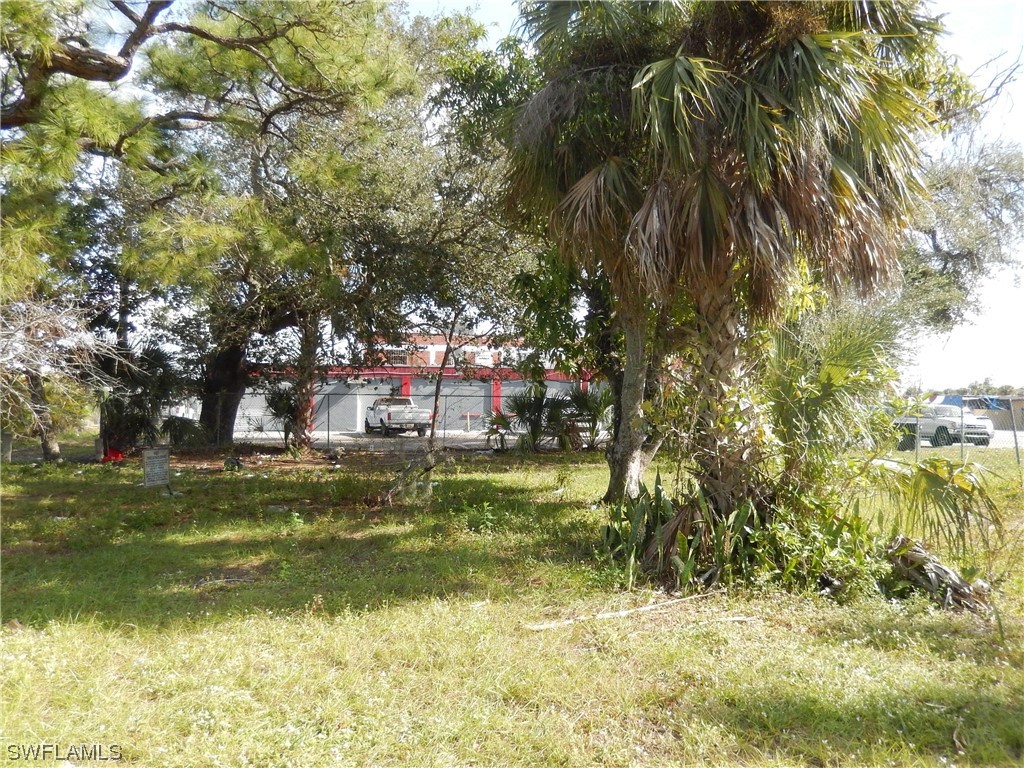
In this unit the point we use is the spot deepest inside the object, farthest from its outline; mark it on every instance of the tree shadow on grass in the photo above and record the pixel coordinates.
(899, 685)
(930, 724)
(943, 634)
(229, 545)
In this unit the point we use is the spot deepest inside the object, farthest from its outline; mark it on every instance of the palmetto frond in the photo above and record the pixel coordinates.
(808, 147)
(673, 100)
(591, 218)
(942, 501)
(707, 148)
(823, 369)
(548, 24)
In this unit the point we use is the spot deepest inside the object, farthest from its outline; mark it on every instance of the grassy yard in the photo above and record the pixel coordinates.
(279, 615)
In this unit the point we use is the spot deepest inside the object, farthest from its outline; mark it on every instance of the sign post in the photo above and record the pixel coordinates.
(156, 468)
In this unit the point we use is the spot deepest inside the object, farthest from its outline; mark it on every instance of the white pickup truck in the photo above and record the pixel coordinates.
(394, 415)
(943, 425)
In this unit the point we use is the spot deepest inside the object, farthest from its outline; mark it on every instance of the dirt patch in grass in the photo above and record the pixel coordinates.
(233, 575)
(30, 547)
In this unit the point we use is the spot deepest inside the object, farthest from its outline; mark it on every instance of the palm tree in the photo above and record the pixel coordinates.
(699, 152)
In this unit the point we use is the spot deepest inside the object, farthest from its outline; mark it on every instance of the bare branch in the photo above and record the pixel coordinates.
(126, 10)
(48, 340)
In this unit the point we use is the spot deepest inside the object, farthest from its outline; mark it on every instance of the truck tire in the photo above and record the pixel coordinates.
(941, 438)
(422, 432)
(384, 429)
(367, 427)
(908, 439)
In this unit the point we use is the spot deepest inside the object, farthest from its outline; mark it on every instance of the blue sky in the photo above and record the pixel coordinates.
(991, 345)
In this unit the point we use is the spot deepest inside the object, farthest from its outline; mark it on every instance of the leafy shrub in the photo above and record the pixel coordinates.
(183, 432)
(681, 544)
(635, 534)
(69, 405)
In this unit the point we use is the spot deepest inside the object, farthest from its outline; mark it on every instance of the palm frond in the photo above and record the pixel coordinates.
(805, 142)
(545, 23)
(652, 239)
(824, 381)
(592, 219)
(671, 98)
(943, 501)
(548, 24)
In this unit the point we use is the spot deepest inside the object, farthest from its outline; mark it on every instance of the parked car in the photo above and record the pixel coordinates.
(394, 415)
(943, 425)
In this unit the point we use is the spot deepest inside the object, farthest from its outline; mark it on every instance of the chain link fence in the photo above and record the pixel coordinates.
(995, 440)
(339, 418)
(339, 411)
(985, 429)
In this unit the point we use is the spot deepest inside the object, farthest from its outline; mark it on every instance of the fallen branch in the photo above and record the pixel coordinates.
(616, 614)
(412, 474)
(208, 582)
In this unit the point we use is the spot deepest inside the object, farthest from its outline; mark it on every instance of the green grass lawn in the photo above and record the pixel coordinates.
(279, 615)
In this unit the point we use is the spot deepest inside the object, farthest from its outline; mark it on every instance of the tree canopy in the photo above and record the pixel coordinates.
(701, 153)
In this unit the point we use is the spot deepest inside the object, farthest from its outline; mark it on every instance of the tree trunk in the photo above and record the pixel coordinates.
(725, 443)
(449, 352)
(600, 314)
(436, 408)
(305, 384)
(123, 314)
(628, 456)
(43, 417)
(223, 390)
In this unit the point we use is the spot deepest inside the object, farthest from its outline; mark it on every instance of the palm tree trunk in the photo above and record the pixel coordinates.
(628, 458)
(726, 451)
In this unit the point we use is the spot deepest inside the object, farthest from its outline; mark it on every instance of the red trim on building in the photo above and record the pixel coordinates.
(496, 394)
(410, 371)
(406, 373)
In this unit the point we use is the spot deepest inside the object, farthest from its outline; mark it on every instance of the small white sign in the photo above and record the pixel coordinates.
(156, 467)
